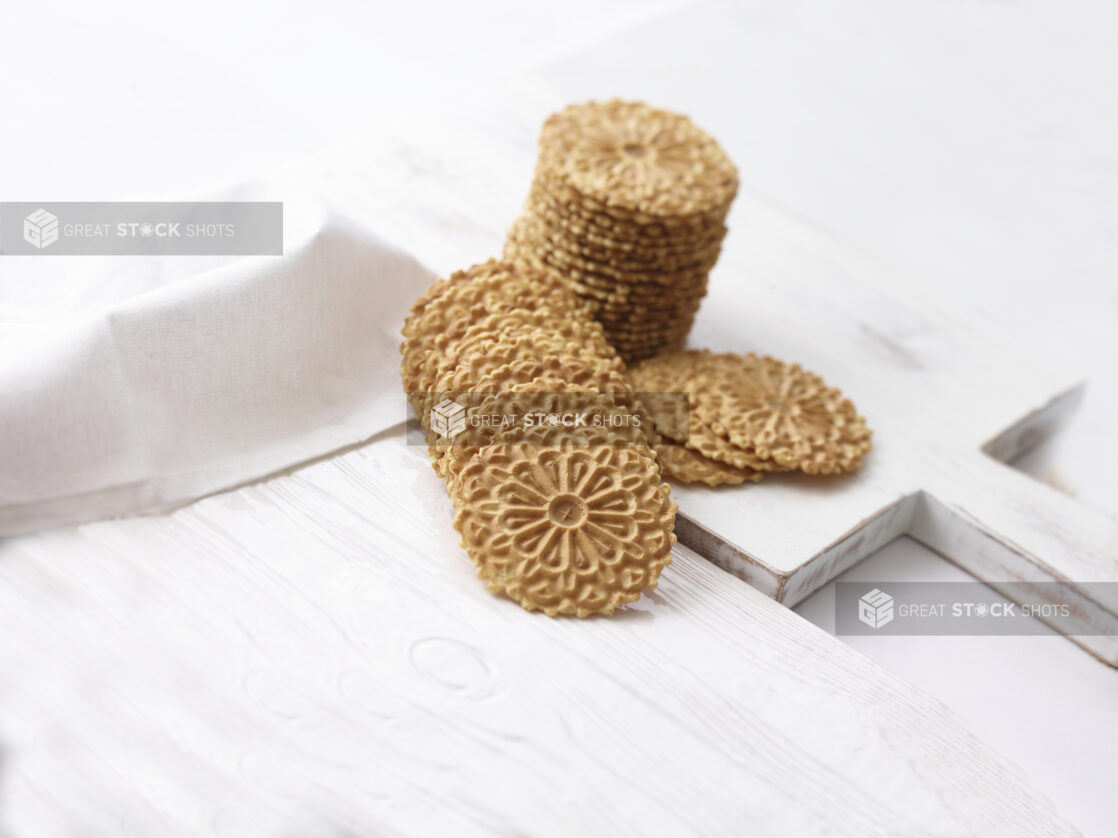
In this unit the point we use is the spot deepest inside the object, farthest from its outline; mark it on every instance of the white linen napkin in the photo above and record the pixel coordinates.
(132, 384)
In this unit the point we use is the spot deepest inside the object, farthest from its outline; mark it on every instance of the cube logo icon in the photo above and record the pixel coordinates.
(875, 609)
(448, 418)
(40, 228)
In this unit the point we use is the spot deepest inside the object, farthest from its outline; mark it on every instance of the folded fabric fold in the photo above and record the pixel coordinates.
(206, 382)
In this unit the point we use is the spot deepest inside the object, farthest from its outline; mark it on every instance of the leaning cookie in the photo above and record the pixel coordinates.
(566, 531)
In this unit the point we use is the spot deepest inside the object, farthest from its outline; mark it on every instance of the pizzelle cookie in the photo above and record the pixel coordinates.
(544, 413)
(557, 374)
(565, 530)
(494, 292)
(787, 414)
(682, 464)
(563, 508)
(568, 216)
(590, 250)
(755, 412)
(579, 375)
(476, 274)
(627, 209)
(449, 307)
(465, 369)
(661, 376)
(499, 418)
(568, 333)
(630, 160)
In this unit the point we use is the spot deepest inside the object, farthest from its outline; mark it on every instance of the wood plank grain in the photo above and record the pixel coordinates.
(312, 655)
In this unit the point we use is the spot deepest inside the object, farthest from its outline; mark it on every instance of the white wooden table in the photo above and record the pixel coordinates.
(968, 144)
(314, 656)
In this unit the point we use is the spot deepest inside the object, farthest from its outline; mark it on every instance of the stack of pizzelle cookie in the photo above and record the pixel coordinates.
(746, 416)
(628, 209)
(567, 517)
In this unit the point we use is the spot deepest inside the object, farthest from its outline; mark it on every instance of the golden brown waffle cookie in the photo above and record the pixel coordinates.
(630, 160)
(427, 347)
(542, 395)
(555, 204)
(669, 412)
(564, 200)
(565, 531)
(558, 418)
(624, 237)
(435, 453)
(641, 321)
(666, 373)
(490, 293)
(683, 285)
(682, 464)
(627, 208)
(635, 298)
(501, 316)
(705, 440)
(627, 345)
(593, 254)
(441, 286)
(450, 306)
(620, 338)
(645, 324)
(787, 415)
(639, 353)
(657, 335)
(646, 330)
(584, 336)
(650, 278)
(619, 327)
(465, 368)
(577, 372)
(661, 288)
(479, 272)
(557, 373)
(757, 412)
(676, 372)
(431, 334)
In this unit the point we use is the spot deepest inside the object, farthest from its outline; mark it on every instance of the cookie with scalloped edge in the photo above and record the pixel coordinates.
(683, 465)
(585, 335)
(784, 413)
(633, 161)
(558, 205)
(546, 412)
(563, 373)
(667, 372)
(676, 373)
(499, 270)
(464, 370)
(504, 287)
(626, 258)
(566, 531)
